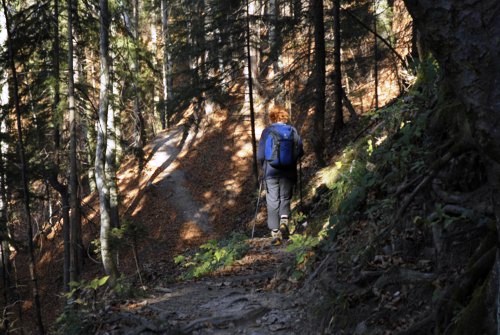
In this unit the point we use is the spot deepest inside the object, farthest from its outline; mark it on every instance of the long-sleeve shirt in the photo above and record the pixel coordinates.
(270, 172)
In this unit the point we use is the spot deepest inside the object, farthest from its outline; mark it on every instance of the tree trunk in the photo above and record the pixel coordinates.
(107, 253)
(63, 192)
(166, 68)
(318, 137)
(250, 96)
(338, 123)
(139, 135)
(57, 89)
(75, 217)
(167, 64)
(4, 231)
(375, 53)
(111, 167)
(274, 38)
(24, 173)
(464, 37)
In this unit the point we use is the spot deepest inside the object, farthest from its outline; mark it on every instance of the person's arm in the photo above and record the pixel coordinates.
(261, 147)
(300, 146)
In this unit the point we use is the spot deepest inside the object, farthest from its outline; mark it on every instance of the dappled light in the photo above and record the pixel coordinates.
(132, 200)
(190, 231)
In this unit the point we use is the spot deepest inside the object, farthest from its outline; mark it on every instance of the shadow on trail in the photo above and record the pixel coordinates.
(165, 150)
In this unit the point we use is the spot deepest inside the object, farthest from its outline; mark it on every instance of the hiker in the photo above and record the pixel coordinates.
(280, 147)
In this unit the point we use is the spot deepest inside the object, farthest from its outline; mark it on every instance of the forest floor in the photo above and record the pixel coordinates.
(252, 296)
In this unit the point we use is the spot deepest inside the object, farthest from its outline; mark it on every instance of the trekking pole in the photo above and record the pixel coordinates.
(257, 207)
(300, 183)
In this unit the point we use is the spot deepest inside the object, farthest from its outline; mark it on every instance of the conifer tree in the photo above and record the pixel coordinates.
(318, 138)
(24, 171)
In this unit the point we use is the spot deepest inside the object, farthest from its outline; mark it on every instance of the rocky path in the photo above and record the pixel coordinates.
(252, 297)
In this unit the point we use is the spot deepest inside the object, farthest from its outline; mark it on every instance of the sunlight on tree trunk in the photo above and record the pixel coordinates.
(4, 228)
(110, 167)
(75, 218)
(166, 68)
(107, 254)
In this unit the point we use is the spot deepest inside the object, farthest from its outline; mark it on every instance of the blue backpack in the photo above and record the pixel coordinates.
(281, 146)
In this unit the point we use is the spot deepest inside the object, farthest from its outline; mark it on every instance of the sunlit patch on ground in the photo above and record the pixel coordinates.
(190, 230)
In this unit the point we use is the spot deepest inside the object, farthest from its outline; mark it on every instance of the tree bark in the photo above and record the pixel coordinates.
(250, 95)
(4, 231)
(375, 53)
(75, 217)
(110, 168)
(464, 37)
(318, 137)
(63, 192)
(24, 173)
(166, 67)
(274, 38)
(338, 123)
(139, 135)
(107, 254)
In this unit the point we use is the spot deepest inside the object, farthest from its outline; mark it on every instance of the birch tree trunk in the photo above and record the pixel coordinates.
(111, 164)
(107, 253)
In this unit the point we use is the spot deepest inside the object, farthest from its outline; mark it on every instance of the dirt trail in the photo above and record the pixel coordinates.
(163, 176)
(253, 296)
(168, 178)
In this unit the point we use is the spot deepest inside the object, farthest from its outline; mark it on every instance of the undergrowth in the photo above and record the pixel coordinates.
(85, 301)
(369, 170)
(212, 256)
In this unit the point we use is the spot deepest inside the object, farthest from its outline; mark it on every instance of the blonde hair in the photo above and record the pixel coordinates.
(278, 114)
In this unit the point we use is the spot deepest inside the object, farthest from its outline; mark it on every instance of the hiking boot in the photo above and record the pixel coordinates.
(285, 232)
(276, 235)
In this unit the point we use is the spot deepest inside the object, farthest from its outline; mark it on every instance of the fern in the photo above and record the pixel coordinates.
(212, 256)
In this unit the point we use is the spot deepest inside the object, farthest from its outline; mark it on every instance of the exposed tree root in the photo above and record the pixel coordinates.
(419, 327)
(463, 288)
(222, 319)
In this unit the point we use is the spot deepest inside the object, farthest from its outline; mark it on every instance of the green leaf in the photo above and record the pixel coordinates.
(103, 280)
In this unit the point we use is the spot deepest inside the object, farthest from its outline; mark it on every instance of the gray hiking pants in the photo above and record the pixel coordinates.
(278, 197)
